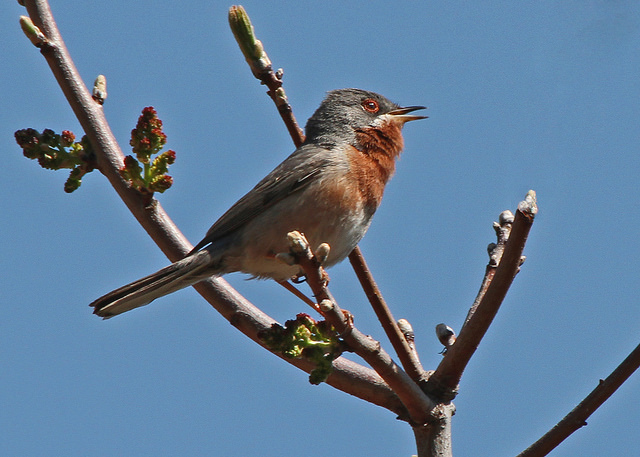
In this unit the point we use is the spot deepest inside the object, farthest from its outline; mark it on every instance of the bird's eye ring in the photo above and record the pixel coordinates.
(371, 106)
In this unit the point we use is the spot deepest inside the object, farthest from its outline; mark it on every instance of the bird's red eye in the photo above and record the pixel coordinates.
(371, 105)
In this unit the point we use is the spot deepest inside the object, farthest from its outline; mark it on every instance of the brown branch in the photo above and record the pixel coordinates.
(578, 416)
(408, 357)
(503, 230)
(262, 69)
(418, 405)
(347, 376)
(444, 381)
(295, 291)
(434, 439)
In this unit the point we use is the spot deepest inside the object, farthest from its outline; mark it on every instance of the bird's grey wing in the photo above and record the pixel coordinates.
(295, 173)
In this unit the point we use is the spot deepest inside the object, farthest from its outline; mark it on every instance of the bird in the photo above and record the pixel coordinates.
(328, 189)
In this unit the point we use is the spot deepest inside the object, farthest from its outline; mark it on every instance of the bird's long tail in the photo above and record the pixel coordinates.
(183, 273)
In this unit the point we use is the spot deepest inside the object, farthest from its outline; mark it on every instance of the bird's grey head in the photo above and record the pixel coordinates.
(342, 112)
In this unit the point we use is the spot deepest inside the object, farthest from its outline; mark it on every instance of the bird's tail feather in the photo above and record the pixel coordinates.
(183, 273)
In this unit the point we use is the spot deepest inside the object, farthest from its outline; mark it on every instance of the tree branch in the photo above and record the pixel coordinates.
(347, 376)
(408, 357)
(503, 230)
(262, 69)
(434, 439)
(578, 416)
(418, 405)
(444, 381)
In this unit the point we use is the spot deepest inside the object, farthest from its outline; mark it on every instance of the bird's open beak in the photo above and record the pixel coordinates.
(402, 114)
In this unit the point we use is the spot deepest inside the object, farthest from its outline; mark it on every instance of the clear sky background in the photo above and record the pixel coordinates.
(522, 95)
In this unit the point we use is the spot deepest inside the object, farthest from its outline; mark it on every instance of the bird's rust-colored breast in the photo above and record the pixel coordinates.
(373, 162)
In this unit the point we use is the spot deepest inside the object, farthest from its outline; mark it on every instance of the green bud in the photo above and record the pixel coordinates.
(74, 180)
(160, 183)
(244, 33)
(250, 46)
(32, 32)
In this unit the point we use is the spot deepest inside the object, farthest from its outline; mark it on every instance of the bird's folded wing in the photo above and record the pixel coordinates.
(300, 169)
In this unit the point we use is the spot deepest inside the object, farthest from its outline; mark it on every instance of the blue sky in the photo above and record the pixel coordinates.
(542, 95)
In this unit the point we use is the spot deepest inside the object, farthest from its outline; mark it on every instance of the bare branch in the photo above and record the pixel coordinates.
(347, 376)
(444, 381)
(577, 418)
(291, 288)
(503, 229)
(262, 69)
(407, 356)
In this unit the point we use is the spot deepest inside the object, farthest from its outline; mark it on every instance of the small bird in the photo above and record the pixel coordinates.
(328, 189)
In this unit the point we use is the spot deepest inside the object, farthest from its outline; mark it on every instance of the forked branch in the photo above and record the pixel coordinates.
(418, 405)
(444, 381)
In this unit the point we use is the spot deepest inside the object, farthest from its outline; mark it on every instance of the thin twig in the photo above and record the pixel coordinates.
(444, 381)
(347, 376)
(262, 69)
(408, 357)
(291, 288)
(578, 416)
(503, 229)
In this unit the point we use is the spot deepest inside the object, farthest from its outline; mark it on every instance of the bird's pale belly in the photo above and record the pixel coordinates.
(319, 221)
